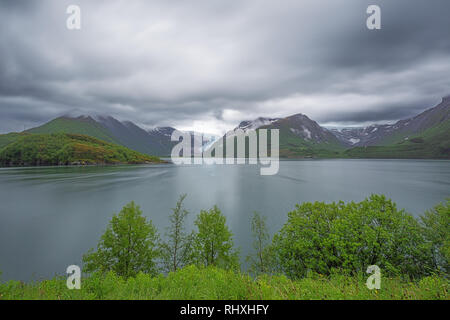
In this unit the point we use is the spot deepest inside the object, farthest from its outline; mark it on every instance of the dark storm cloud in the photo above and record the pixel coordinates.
(207, 65)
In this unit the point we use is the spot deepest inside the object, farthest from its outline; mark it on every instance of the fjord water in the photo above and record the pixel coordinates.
(49, 217)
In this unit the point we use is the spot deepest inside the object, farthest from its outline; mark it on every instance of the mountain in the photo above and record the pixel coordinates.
(387, 134)
(426, 135)
(80, 125)
(255, 124)
(156, 141)
(300, 137)
(433, 143)
(136, 138)
(161, 136)
(65, 149)
(362, 136)
(125, 133)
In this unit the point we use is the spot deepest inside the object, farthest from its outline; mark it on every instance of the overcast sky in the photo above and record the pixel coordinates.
(207, 65)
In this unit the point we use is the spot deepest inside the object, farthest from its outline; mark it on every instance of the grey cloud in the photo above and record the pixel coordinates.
(175, 62)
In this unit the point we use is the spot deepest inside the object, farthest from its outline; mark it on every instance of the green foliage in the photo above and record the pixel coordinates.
(128, 246)
(436, 227)
(64, 149)
(322, 252)
(177, 250)
(8, 138)
(262, 259)
(213, 243)
(194, 283)
(347, 238)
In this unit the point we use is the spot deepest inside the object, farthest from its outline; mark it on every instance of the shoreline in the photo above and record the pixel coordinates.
(86, 165)
(170, 162)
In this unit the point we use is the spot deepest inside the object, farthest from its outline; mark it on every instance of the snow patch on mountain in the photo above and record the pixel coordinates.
(255, 124)
(307, 132)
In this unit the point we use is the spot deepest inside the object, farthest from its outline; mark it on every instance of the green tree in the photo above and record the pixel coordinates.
(261, 261)
(128, 246)
(324, 238)
(436, 226)
(213, 243)
(177, 250)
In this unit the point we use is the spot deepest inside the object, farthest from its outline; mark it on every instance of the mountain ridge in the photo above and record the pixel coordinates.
(109, 129)
(424, 135)
(302, 137)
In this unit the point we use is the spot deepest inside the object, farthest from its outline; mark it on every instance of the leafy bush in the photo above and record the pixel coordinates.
(436, 228)
(347, 238)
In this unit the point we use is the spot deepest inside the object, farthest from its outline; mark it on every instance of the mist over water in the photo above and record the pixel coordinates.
(50, 217)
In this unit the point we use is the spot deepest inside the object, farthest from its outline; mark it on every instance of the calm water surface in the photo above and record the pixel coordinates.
(49, 217)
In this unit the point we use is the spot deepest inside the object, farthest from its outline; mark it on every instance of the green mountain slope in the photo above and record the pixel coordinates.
(433, 143)
(65, 149)
(108, 129)
(301, 137)
(291, 146)
(81, 125)
(431, 119)
(132, 136)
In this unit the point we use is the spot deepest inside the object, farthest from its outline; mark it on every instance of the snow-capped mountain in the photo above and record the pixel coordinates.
(363, 136)
(162, 131)
(299, 135)
(255, 124)
(303, 127)
(298, 125)
(401, 130)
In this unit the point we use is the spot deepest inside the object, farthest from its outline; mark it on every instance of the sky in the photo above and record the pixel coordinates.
(207, 65)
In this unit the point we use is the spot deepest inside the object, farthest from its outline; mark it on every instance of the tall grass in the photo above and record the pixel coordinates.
(195, 283)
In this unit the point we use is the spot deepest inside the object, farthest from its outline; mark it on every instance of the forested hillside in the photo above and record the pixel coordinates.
(66, 149)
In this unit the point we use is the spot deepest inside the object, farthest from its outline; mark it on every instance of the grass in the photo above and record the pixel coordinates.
(193, 283)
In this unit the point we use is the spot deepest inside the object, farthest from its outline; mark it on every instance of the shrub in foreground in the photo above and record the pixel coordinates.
(436, 228)
(349, 237)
